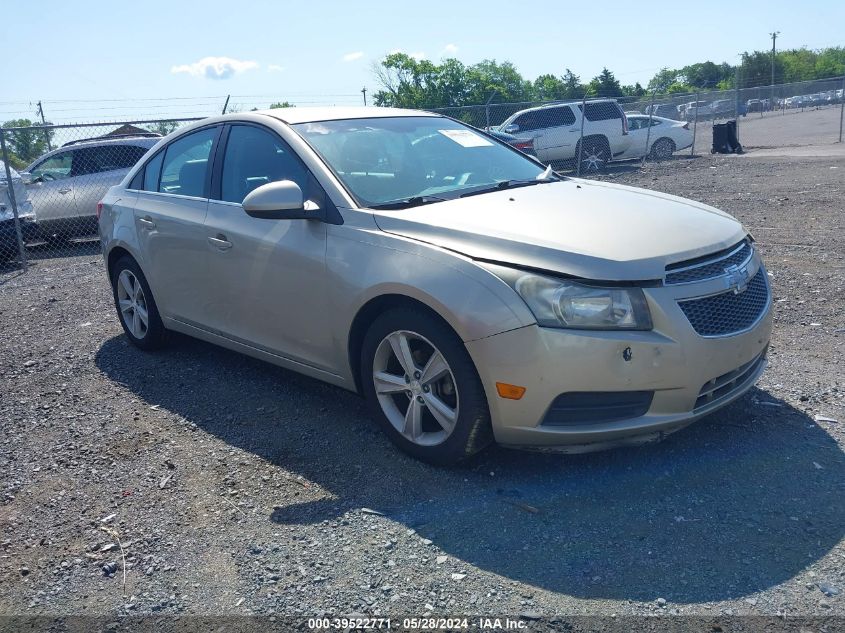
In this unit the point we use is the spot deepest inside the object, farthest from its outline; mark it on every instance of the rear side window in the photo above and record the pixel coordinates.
(152, 172)
(186, 163)
(95, 160)
(602, 111)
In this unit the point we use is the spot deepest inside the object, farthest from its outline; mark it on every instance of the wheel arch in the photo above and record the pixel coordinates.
(370, 311)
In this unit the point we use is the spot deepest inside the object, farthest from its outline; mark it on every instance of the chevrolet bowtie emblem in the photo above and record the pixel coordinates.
(737, 278)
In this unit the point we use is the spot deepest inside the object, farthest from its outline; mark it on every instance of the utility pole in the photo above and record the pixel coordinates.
(774, 39)
(364, 92)
(44, 122)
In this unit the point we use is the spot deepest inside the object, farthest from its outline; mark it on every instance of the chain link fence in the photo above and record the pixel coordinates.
(53, 176)
(659, 127)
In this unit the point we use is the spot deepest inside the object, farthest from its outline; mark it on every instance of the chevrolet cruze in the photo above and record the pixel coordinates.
(468, 292)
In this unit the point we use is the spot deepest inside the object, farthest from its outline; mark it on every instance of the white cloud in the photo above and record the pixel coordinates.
(351, 57)
(275, 68)
(215, 67)
(449, 50)
(417, 56)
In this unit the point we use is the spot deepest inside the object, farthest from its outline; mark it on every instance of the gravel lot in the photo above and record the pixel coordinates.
(236, 487)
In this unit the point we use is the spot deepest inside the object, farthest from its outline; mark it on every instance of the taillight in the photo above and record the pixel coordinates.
(624, 124)
(99, 209)
(523, 145)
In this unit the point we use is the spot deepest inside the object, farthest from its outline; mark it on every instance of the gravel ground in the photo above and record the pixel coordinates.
(235, 487)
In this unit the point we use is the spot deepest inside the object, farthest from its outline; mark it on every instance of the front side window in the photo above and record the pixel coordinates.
(186, 162)
(56, 167)
(255, 157)
(390, 159)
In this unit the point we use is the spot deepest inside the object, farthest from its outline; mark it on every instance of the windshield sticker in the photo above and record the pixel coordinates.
(465, 138)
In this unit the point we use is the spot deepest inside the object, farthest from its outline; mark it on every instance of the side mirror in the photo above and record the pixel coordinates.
(513, 128)
(281, 200)
(29, 179)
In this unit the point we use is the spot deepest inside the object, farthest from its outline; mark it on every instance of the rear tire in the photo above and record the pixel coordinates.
(662, 149)
(135, 305)
(595, 154)
(432, 407)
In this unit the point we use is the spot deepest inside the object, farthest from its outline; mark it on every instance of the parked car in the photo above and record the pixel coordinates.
(463, 288)
(525, 145)
(665, 138)
(722, 108)
(26, 217)
(665, 110)
(66, 183)
(700, 110)
(556, 131)
(754, 105)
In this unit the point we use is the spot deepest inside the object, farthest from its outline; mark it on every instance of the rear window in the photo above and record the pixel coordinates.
(602, 111)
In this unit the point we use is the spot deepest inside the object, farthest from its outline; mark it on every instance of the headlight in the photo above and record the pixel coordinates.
(567, 304)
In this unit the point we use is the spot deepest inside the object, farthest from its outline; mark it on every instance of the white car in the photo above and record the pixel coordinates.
(26, 217)
(667, 136)
(698, 109)
(556, 131)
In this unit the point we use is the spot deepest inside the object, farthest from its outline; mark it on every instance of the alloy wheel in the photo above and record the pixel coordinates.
(133, 304)
(592, 158)
(416, 388)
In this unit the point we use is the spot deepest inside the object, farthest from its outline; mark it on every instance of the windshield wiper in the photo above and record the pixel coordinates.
(407, 203)
(547, 176)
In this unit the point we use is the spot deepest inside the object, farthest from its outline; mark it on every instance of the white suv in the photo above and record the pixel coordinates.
(556, 131)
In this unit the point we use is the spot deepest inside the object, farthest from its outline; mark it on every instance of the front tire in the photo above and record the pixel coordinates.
(135, 305)
(423, 388)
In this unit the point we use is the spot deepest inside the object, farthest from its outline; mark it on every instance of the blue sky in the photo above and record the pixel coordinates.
(97, 60)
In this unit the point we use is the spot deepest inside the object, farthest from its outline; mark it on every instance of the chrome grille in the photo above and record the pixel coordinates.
(727, 384)
(728, 313)
(709, 266)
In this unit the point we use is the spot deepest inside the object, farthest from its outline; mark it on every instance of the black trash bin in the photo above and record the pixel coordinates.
(733, 137)
(725, 139)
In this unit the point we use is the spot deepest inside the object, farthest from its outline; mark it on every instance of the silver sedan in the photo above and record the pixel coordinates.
(470, 294)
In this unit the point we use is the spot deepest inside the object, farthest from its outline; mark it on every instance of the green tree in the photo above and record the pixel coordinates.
(634, 91)
(163, 127)
(25, 146)
(605, 85)
(282, 104)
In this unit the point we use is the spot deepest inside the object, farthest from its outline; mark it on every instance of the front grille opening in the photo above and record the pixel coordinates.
(709, 266)
(595, 407)
(729, 383)
(728, 313)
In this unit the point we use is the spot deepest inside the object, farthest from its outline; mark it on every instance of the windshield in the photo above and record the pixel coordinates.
(414, 160)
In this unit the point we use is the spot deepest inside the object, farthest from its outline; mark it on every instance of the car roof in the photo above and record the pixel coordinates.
(336, 113)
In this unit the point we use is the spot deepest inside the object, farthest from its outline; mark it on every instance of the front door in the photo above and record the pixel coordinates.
(269, 275)
(51, 192)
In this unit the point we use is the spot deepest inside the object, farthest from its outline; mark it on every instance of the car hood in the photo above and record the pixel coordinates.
(583, 228)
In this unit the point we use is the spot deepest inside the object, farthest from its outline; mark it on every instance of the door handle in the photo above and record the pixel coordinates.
(220, 242)
(147, 223)
(65, 190)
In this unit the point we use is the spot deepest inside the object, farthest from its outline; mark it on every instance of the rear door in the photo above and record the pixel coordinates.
(606, 118)
(270, 284)
(169, 216)
(95, 170)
